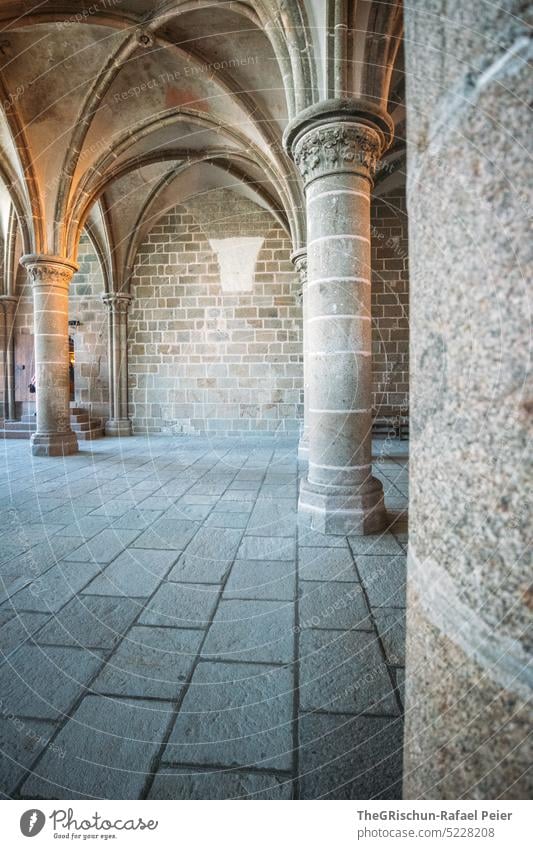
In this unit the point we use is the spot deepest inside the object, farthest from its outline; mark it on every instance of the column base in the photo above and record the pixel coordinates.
(341, 511)
(54, 444)
(118, 427)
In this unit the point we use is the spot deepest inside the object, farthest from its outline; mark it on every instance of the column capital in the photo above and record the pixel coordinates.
(45, 269)
(299, 260)
(117, 302)
(338, 136)
(9, 300)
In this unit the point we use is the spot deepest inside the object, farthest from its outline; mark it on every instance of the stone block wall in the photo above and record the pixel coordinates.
(91, 376)
(204, 358)
(390, 305)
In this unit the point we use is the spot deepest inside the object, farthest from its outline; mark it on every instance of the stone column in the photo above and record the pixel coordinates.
(50, 277)
(336, 154)
(117, 304)
(299, 259)
(9, 304)
(469, 680)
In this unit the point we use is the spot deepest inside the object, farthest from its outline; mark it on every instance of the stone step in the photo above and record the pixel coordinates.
(83, 426)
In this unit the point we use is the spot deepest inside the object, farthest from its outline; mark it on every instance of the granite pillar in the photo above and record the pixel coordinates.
(9, 305)
(336, 153)
(50, 277)
(469, 679)
(117, 304)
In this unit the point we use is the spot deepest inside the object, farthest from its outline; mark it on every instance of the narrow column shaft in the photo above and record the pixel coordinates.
(9, 303)
(336, 160)
(50, 277)
(299, 258)
(118, 423)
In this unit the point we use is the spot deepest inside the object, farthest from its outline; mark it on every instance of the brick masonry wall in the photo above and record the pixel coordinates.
(390, 305)
(91, 375)
(204, 360)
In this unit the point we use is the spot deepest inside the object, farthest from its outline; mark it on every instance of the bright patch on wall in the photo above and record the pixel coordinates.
(237, 257)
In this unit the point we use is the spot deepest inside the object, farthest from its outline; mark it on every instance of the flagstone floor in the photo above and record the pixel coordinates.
(168, 630)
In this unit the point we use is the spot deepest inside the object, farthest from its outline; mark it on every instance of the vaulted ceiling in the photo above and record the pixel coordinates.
(115, 110)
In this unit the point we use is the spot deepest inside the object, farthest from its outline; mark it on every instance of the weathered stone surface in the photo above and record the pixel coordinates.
(59, 584)
(344, 672)
(319, 564)
(90, 622)
(181, 605)
(104, 547)
(21, 742)
(391, 628)
(235, 714)
(136, 573)
(48, 680)
(208, 557)
(101, 761)
(273, 518)
(261, 579)
(186, 784)
(251, 631)
(384, 579)
(19, 628)
(344, 757)
(167, 532)
(333, 604)
(150, 662)
(267, 548)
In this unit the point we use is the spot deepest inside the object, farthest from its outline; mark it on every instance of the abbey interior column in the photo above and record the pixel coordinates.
(299, 259)
(336, 153)
(9, 305)
(50, 277)
(117, 305)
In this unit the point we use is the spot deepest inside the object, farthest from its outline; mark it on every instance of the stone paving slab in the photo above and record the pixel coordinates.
(168, 532)
(44, 681)
(208, 557)
(390, 623)
(150, 663)
(135, 573)
(384, 543)
(261, 579)
(90, 621)
(104, 547)
(273, 518)
(252, 631)
(181, 605)
(21, 742)
(57, 586)
(218, 784)
(343, 757)
(235, 715)
(19, 628)
(320, 564)
(267, 548)
(333, 604)
(384, 579)
(344, 671)
(96, 758)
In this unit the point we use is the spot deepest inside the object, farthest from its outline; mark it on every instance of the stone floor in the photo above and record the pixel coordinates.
(168, 631)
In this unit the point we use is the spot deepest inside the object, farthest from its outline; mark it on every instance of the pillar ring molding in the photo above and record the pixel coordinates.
(9, 299)
(299, 260)
(47, 270)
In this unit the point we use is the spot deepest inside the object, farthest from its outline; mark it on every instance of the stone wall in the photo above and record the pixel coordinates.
(469, 577)
(204, 358)
(91, 378)
(390, 305)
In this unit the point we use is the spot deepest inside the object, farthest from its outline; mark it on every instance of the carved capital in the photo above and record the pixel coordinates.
(44, 270)
(299, 260)
(117, 302)
(337, 147)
